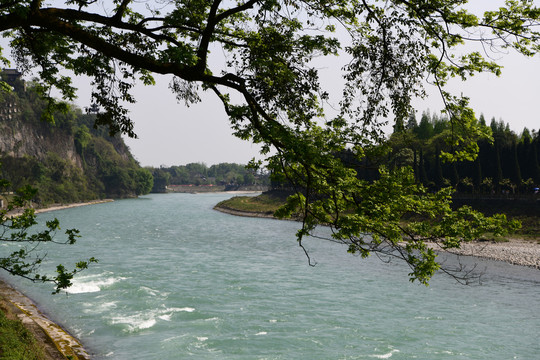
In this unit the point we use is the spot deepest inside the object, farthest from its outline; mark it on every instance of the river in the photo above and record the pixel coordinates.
(178, 280)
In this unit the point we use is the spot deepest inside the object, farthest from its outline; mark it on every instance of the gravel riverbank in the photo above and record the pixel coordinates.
(514, 251)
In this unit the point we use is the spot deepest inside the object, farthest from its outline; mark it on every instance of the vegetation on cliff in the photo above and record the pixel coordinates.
(67, 159)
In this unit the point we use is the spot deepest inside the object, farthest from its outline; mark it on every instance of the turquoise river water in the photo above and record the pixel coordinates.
(178, 280)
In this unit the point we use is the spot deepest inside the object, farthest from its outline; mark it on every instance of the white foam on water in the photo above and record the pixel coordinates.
(135, 322)
(184, 309)
(202, 338)
(91, 283)
(385, 356)
(273, 321)
(146, 319)
(153, 292)
(173, 338)
(261, 333)
(98, 308)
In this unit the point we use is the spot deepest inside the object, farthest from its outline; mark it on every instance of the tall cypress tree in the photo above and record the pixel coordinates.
(415, 166)
(534, 161)
(423, 174)
(516, 175)
(439, 178)
(454, 175)
(399, 126)
(412, 124)
(477, 175)
(498, 176)
(425, 129)
(525, 149)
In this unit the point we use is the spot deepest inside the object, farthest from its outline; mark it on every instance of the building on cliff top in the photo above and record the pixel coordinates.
(11, 76)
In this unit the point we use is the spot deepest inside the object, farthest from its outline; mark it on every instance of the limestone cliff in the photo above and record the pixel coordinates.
(19, 138)
(66, 159)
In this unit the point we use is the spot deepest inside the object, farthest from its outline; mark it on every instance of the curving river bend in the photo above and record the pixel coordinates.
(178, 280)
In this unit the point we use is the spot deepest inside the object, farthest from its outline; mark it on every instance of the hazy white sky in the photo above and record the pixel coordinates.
(172, 134)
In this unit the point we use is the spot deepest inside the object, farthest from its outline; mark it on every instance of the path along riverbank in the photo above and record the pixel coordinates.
(514, 251)
(55, 341)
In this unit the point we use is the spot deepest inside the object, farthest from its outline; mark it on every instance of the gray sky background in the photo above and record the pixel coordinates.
(172, 134)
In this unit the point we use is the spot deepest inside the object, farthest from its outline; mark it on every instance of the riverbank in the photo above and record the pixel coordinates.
(514, 251)
(55, 342)
(55, 207)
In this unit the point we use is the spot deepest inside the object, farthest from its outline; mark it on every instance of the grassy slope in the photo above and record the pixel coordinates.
(266, 203)
(16, 342)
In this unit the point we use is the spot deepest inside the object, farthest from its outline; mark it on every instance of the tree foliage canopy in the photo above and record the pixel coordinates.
(258, 57)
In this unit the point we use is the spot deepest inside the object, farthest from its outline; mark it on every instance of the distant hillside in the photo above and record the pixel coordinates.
(66, 159)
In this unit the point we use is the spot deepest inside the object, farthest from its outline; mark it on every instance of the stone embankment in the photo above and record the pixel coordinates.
(55, 341)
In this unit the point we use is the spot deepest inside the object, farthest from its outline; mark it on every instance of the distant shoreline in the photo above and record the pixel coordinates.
(244, 213)
(55, 207)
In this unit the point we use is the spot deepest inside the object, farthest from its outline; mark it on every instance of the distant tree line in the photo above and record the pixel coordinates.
(223, 174)
(105, 167)
(507, 164)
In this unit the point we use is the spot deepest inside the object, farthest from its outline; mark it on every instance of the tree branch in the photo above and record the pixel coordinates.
(121, 10)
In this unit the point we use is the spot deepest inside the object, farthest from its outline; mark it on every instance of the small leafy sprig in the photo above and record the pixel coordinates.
(17, 220)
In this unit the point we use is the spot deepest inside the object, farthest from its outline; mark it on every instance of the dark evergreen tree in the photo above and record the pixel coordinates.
(454, 175)
(516, 175)
(440, 181)
(534, 160)
(477, 175)
(412, 124)
(423, 173)
(425, 129)
(482, 120)
(399, 126)
(498, 175)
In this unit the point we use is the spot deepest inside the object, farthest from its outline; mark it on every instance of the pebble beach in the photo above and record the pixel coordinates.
(514, 251)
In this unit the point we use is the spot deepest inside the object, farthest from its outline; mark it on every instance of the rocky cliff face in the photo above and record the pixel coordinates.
(19, 138)
(66, 161)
